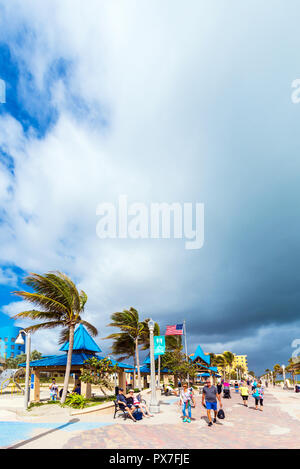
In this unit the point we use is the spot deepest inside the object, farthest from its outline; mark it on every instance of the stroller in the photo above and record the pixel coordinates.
(226, 393)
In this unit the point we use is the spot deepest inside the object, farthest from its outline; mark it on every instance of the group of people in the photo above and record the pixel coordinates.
(257, 389)
(131, 404)
(54, 390)
(210, 398)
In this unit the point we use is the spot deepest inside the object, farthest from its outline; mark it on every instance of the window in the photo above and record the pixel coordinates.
(13, 339)
(12, 347)
(6, 339)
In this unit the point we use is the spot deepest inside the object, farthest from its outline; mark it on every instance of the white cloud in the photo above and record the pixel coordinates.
(145, 68)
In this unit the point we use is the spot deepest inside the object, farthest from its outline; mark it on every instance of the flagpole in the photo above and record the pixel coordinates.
(184, 325)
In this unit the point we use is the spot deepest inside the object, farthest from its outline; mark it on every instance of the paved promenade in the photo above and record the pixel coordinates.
(278, 426)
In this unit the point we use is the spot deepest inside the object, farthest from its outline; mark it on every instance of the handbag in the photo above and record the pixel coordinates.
(221, 414)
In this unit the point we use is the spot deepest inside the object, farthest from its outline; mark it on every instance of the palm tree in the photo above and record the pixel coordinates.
(123, 347)
(229, 359)
(129, 323)
(218, 361)
(277, 370)
(174, 342)
(60, 305)
(240, 370)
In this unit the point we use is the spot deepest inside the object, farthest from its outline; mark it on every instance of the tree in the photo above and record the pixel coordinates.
(240, 370)
(276, 370)
(129, 323)
(60, 305)
(96, 372)
(219, 361)
(229, 359)
(13, 363)
(177, 363)
(123, 347)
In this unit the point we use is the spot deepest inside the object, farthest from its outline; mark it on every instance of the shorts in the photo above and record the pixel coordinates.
(245, 398)
(261, 401)
(211, 405)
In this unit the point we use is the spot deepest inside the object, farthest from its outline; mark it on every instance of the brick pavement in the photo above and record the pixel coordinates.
(242, 428)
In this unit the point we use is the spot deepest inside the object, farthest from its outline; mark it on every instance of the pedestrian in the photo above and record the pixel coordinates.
(236, 387)
(244, 392)
(209, 401)
(186, 400)
(53, 390)
(219, 387)
(258, 395)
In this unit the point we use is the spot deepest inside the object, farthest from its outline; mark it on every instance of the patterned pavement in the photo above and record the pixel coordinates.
(242, 428)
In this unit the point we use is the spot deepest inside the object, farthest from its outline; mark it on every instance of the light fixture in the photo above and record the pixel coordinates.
(151, 324)
(19, 340)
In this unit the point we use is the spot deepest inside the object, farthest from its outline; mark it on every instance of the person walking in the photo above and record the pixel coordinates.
(186, 400)
(209, 401)
(258, 395)
(244, 392)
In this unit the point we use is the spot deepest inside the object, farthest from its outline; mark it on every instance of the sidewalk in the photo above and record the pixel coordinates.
(278, 426)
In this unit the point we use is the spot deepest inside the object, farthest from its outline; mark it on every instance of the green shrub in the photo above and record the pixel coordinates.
(75, 401)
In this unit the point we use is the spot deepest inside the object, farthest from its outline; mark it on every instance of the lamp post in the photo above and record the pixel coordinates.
(20, 340)
(154, 405)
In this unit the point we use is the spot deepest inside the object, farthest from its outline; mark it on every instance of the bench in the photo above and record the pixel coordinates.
(119, 408)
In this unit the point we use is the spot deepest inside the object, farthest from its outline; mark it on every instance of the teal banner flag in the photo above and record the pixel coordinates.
(159, 345)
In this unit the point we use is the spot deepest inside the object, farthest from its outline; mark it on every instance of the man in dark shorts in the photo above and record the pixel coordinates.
(209, 400)
(124, 404)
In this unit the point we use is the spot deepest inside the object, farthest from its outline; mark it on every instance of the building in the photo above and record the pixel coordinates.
(8, 348)
(239, 361)
(84, 347)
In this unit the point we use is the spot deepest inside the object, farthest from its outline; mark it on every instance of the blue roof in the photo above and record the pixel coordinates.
(77, 359)
(200, 354)
(147, 359)
(82, 341)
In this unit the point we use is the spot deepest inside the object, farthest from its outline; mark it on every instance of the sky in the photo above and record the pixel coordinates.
(162, 102)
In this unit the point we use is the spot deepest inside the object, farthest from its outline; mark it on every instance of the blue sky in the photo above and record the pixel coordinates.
(163, 103)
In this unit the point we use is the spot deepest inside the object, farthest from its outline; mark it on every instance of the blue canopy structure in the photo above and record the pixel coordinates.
(84, 348)
(82, 341)
(199, 355)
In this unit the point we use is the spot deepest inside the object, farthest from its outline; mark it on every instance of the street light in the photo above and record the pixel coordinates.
(154, 405)
(20, 340)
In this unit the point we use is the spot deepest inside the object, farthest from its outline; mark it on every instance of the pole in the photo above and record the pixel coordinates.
(158, 373)
(186, 353)
(154, 406)
(27, 390)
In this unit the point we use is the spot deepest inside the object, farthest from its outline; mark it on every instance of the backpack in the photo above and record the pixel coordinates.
(221, 414)
(137, 415)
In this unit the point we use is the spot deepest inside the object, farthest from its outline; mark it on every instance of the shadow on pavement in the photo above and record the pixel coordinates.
(25, 442)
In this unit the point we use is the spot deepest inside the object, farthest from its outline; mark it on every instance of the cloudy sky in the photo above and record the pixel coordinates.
(163, 102)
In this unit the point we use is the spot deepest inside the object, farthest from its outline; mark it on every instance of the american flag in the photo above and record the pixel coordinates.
(175, 330)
